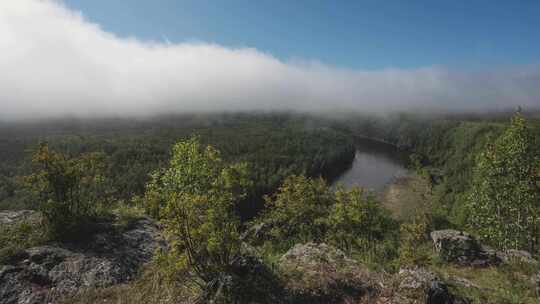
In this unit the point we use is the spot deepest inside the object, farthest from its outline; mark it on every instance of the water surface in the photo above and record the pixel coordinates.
(374, 166)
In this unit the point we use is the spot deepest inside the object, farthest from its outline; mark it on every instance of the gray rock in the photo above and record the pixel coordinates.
(535, 280)
(12, 217)
(521, 256)
(416, 278)
(462, 248)
(417, 284)
(438, 294)
(45, 274)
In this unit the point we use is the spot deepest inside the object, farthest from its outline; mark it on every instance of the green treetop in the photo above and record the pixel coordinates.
(505, 198)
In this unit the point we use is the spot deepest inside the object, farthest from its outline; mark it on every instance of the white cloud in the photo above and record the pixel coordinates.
(55, 62)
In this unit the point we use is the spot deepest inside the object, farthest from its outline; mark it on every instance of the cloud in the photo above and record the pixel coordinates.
(55, 62)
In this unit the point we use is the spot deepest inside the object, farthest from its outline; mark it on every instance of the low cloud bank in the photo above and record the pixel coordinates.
(54, 62)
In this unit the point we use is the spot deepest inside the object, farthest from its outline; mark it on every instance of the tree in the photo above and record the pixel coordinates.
(308, 210)
(356, 220)
(299, 210)
(195, 199)
(504, 202)
(70, 189)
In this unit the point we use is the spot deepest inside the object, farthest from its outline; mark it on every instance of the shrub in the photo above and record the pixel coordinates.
(71, 190)
(299, 210)
(195, 199)
(413, 238)
(356, 220)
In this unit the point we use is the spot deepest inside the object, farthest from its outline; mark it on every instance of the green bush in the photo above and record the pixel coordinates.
(71, 190)
(195, 199)
(308, 210)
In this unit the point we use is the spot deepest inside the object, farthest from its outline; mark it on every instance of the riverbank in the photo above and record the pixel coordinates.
(406, 194)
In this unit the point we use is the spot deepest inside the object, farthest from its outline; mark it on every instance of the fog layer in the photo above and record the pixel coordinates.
(55, 62)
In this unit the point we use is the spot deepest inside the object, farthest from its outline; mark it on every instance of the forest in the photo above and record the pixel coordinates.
(232, 186)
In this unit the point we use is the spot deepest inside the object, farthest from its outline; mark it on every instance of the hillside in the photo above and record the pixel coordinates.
(145, 212)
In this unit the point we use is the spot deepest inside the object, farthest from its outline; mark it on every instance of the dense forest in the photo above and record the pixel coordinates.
(235, 193)
(273, 145)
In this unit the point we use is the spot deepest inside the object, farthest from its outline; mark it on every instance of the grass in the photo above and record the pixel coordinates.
(505, 284)
(149, 288)
(16, 237)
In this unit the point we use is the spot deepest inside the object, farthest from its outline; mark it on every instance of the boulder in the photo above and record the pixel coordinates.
(47, 273)
(438, 293)
(462, 248)
(13, 217)
(520, 256)
(535, 280)
(420, 284)
(415, 278)
(318, 273)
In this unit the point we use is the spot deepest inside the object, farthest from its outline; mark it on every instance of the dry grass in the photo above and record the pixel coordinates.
(406, 195)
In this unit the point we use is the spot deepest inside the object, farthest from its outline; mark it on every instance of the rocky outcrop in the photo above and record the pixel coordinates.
(415, 279)
(45, 274)
(419, 284)
(520, 256)
(462, 248)
(535, 280)
(318, 273)
(12, 217)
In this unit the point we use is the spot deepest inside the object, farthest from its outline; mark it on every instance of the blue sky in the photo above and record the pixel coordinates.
(353, 34)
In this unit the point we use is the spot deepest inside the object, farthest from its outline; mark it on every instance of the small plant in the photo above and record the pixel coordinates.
(18, 236)
(414, 235)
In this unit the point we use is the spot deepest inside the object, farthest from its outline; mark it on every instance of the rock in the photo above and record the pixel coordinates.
(12, 217)
(438, 294)
(416, 278)
(462, 248)
(420, 284)
(47, 273)
(318, 273)
(535, 280)
(520, 256)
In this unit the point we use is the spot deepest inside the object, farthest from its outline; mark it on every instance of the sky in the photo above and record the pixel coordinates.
(356, 34)
(100, 58)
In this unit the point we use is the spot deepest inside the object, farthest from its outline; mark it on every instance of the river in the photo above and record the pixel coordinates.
(375, 165)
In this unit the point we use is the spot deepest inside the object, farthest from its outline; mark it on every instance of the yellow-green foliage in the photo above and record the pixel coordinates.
(414, 234)
(299, 210)
(308, 210)
(71, 190)
(505, 284)
(356, 220)
(503, 203)
(195, 199)
(19, 236)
